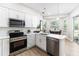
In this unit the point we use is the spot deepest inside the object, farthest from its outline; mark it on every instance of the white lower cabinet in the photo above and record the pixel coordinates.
(0, 47)
(41, 41)
(5, 47)
(30, 40)
(38, 40)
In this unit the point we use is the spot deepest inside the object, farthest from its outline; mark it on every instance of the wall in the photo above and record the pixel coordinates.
(21, 8)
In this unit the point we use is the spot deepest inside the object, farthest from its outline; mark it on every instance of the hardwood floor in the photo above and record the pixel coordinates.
(71, 48)
(33, 52)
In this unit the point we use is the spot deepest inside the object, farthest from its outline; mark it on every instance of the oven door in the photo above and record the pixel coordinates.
(17, 45)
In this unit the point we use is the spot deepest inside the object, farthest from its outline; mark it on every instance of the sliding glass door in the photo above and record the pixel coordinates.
(76, 29)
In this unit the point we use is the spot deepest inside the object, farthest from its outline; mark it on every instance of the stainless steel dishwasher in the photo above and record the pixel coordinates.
(52, 46)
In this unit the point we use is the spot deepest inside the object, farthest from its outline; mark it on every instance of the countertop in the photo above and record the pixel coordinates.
(57, 36)
(4, 37)
(51, 35)
(29, 33)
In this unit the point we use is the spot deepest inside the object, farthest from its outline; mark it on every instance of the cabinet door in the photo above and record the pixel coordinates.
(3, 17)
(0, 47)
(16, 14)
(13, 14)
(21, 16)
(28, 21)
(5, 47)
(30, 40)
(38, 40)
(43, 42)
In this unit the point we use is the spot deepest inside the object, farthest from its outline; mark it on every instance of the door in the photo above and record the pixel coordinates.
(0, 47)
(3, 17)
(5, 47)
(17, 45)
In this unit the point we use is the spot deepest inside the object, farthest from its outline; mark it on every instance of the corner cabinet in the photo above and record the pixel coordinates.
(38, 40)
(41, 41)
(3, 17)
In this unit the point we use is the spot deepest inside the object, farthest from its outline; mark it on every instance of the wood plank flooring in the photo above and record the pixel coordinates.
(33, 52)
(71, 48)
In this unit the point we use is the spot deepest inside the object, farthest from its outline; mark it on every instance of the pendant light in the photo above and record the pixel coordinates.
(58, 11)
(43, 15)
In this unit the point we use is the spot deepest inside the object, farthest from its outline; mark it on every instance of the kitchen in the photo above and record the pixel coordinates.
(22, 28)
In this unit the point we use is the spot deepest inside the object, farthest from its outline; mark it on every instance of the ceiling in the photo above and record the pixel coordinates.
(53, 8)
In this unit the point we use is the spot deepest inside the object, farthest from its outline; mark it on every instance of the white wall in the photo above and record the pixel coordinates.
(23, 9)
(75, 12)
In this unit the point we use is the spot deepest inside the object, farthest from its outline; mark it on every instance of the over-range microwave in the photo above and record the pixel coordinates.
(16, 23)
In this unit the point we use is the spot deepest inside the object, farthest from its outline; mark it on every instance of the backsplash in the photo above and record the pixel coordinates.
(4, 30)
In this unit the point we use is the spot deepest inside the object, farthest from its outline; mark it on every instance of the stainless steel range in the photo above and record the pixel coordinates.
(17, 41)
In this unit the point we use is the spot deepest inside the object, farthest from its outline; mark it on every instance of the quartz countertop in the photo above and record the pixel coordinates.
(4, 37)
(29, 33)
(57, 36)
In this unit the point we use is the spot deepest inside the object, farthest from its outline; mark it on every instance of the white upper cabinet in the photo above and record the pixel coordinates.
(31, 21)
(16, 14)
(3, 17)
(21, 16)
(36, 21)
(28, 21)
(13, 14)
